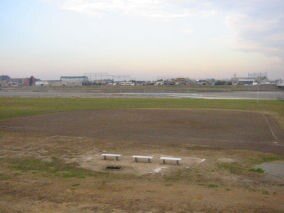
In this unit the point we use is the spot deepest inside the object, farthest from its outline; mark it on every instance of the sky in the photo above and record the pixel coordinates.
(146, 39)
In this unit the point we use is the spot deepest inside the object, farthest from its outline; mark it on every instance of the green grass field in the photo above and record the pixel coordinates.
(15, 107)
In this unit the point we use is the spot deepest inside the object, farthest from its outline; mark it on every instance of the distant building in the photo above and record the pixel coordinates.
(54, 83)
(16, 82)
(280, 83)
(159, 82)
(222, 82)
(127, 83)
(252, 79)
(101, 82)
(140, 83)
(4, 78)
(246, 81)
(206, 82)
(30, 81)
(183, 81)
(73, 80)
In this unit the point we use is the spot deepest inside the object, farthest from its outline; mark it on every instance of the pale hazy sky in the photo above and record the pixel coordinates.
(142, 38)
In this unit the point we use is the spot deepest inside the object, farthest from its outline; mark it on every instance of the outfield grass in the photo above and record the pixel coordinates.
(55, 167)
(15, 107)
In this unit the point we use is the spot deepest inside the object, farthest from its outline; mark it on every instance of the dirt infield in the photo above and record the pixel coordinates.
(214, 128)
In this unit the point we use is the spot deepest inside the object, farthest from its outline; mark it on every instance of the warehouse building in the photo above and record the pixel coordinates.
(73, 80)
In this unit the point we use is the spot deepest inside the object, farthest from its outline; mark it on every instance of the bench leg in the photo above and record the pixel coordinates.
(177, 162)
(136, 160)
(105, 158)
(164, 161)
(149, 160)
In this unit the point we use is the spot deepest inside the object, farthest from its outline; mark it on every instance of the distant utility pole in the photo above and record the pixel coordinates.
(257, 93)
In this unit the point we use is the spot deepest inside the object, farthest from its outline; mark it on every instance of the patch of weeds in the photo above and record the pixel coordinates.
(250, 188)
(257, 170)
(178, 175)
(76, 184)
(18, 173)
(265, 158)
(4, 177)
(234, 168)
(265, 192)
(55, 167)
(203, 148)
(270, 158)
(212, 185)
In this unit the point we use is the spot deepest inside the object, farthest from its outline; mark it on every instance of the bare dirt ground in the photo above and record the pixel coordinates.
(222, 129)
(52, 163)
(221, 183)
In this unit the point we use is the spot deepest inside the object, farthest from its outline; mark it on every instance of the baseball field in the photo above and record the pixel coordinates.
(50, 155)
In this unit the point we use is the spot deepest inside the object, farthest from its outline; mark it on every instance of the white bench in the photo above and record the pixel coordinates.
(164, 159)
(137, 157)
(114, 156)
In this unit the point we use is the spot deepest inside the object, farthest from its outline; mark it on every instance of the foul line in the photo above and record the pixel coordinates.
(270, 128)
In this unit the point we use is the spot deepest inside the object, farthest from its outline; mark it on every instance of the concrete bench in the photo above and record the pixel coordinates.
(164, 159)
(113, 156)
(137, 157)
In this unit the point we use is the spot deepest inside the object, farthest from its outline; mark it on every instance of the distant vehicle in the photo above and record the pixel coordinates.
(41, 83)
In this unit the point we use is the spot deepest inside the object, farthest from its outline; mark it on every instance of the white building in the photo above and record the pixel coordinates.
(73, 80)
(247, 81)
